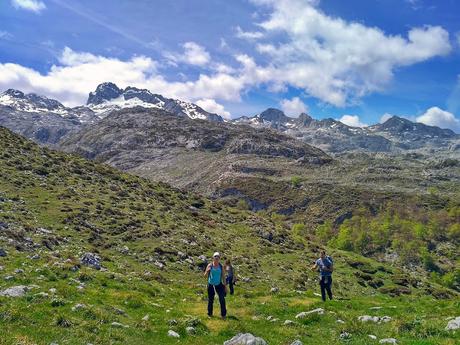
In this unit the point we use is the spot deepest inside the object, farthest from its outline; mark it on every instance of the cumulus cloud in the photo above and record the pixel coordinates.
(193, 54)
(352, 120)
(210, 105)
(385, 117)
(5, 35)
(77, 73)
(293, 107)
(248, 35)
(335, 60)
(437, 117)
(29, 5)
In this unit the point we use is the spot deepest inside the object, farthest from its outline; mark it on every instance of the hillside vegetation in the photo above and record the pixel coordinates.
(151, 239)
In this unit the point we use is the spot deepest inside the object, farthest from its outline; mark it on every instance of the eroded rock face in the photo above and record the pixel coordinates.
(245, 339)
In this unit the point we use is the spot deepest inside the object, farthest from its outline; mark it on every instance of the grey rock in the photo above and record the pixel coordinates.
(15, 291)
(190, 330)
(373, 337)
(368, 318)
(245, 339)
(289, 323)
(297, 342)
(173, 334)
(118, 325)
(92, 260)
(388, 341)
(78, 306)
(302, 315)
(454, 324)
(345, 336)
(3, 252)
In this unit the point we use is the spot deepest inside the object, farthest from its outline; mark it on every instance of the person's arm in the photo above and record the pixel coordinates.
(222, 277)
(207, 270)
(315, 266)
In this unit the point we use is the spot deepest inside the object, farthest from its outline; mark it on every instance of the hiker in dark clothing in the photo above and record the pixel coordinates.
(229, 270)
(216, 284)
(325, 266)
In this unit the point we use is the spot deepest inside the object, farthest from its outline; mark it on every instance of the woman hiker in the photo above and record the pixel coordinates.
(230, 271)
(216, 284)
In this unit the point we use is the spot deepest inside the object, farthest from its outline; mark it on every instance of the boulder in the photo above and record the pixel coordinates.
(92, 260)
(190, 330)
(119, 325)
(173, 334)
(373, 337)
(453, 324)
(388, 341)
(245, 339)
(15, 291)
(376, 319)
(297, 342)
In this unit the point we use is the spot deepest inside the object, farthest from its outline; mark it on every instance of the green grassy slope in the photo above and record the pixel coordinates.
(55, 207)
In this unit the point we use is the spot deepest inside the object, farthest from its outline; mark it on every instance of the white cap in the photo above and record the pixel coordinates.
(216, 254)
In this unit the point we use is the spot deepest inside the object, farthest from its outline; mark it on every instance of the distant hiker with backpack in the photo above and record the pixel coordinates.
(230, 271)
(325, 266)
(216, 284)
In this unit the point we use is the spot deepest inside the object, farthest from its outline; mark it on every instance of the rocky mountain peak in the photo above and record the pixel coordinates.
(400, 126)
(273, 115)
(104, 92)
(13, 93)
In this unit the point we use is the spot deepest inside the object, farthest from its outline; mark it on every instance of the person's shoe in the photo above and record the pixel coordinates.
(224, 318)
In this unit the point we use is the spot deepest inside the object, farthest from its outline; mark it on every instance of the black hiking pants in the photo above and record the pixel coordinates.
(230, 284)
(220, 290)
(325, 283)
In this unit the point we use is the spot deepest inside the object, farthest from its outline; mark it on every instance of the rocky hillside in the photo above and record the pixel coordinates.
(161, 146)
(46, 120)
(395, 135)
(39, 118)
(92, 255)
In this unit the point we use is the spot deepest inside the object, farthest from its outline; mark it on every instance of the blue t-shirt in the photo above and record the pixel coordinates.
(324, 263)
(215, 275)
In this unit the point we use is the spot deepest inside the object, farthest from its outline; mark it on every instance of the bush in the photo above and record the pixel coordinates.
(296, 181)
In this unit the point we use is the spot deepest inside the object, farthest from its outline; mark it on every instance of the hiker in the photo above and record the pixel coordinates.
(325, 265)
(230, 272)
(216, 284)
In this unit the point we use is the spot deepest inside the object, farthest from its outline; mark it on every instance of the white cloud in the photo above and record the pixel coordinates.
(335, 60)
(352, 120)
(210, 105)
(385, 117)
(29, 5)
(5, 35)
(193, 54)
(78, 73)
(293, 107)
(248, 35)
(440, 118)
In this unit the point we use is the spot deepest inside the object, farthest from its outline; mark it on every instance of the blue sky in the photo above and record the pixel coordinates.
(330, 58)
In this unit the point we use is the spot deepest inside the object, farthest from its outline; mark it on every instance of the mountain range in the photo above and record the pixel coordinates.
(47, 121)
